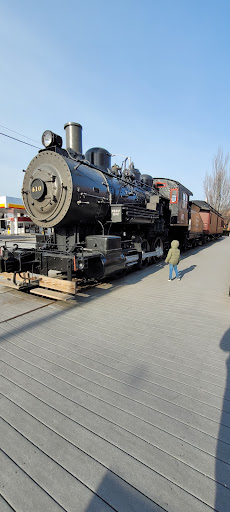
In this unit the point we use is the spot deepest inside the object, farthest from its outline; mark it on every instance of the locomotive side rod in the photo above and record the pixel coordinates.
(158, 253)
(133, 259)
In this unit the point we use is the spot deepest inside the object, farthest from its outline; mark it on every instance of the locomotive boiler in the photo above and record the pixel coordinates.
(103, 219)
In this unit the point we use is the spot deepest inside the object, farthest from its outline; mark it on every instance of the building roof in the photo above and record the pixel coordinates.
(11, 202)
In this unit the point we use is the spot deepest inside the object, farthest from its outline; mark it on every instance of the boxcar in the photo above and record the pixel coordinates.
(196, 226)
(212, 220)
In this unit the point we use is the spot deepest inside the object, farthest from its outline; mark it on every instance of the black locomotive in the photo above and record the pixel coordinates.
(103, 219)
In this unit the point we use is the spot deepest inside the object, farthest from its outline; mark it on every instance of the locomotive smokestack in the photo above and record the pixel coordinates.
(74, 137)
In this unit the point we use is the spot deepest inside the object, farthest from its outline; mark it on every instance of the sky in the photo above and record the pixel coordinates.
(148, 79)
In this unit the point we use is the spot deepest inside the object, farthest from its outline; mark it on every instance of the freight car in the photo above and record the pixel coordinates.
(104, 218)
(227, 227)
(213, 222)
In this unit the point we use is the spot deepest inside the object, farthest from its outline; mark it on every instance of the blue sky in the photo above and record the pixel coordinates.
(148, 79)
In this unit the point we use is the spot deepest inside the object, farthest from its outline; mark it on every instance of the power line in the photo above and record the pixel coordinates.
(29, 138)
(22, 141)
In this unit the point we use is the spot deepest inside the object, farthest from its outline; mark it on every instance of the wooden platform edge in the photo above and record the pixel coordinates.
(43, 285)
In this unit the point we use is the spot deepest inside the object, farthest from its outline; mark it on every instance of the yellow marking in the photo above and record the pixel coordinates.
(19, 206)
(36, 189)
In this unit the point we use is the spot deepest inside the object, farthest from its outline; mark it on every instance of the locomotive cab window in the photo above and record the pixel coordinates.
(174, 196)
(184, 200)
(160, 184)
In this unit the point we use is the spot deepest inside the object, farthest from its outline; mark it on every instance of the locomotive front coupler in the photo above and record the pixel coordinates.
(17, 260)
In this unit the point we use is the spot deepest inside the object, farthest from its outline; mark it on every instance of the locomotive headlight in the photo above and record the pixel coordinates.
(51, 139)
(47, 138)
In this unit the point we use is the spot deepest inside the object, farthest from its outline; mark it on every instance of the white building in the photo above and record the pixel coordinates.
(13, 216)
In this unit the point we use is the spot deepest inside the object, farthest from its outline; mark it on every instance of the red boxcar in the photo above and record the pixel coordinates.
(213, 222)
(196, 226)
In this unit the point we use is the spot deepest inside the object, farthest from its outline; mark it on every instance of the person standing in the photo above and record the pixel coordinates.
(173, 258)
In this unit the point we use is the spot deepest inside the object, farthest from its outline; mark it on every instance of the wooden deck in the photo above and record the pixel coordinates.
(120, 400)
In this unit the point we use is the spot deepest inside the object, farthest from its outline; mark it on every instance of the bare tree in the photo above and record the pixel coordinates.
(217, 184)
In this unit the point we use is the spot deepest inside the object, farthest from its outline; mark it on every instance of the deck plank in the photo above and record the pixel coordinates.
(125, 391)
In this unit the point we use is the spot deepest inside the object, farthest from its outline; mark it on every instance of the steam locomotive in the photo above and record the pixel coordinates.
(103, 219)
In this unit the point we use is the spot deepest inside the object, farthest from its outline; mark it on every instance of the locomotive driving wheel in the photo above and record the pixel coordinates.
(145, 248)
(157, 244)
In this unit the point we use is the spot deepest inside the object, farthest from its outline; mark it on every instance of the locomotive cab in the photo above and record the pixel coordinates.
(178, 197)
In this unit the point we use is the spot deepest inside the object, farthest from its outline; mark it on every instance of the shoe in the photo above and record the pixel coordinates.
(169, 279)
(178, 279)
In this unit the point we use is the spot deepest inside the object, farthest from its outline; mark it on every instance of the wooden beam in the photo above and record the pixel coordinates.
(51, 294)
(54, 283)
(57, 284)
